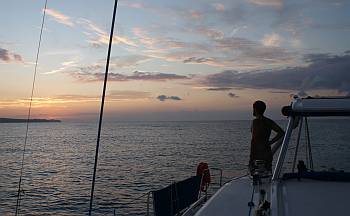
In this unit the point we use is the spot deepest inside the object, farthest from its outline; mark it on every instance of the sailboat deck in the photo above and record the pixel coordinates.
(233, 197)
(312, 197)
(295, 197)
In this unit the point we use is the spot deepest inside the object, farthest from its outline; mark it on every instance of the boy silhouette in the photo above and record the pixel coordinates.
(262, 126)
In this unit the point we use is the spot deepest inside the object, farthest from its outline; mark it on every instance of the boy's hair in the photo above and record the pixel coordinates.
(259, 107)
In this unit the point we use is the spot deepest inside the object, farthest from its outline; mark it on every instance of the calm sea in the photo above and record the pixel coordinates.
(135, 157)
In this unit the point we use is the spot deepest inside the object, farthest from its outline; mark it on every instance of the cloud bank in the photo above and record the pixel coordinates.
(324, 71)
(164, 98)
(217, 50)
(84, 74)
(272, 3)
(8, 57)
(232, 95)
(219, 89)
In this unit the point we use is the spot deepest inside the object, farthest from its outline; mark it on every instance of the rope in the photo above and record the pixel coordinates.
(102, 106)
(18, 202)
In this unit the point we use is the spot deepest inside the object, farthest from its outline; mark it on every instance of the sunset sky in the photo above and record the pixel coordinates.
(171, 60)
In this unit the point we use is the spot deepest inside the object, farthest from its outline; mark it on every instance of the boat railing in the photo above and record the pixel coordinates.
(220, 174)
(138, 200)
(147, 199)
(191, 210)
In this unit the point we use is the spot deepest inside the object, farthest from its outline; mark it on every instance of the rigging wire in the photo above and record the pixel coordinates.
(102, 105)
(18, 201)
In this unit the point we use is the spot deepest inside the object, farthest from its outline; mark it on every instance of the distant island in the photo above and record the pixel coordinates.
(13, 120)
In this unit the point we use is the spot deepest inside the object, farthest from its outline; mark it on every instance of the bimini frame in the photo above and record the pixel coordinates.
(303, 108)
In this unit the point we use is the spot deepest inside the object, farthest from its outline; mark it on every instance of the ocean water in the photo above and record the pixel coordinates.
(135, 157)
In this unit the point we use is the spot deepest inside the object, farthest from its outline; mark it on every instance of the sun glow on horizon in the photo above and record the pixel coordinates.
(170, 59)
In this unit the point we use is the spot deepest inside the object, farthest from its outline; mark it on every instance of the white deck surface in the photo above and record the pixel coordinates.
(294, 198)
(310, 197)
(232, 199)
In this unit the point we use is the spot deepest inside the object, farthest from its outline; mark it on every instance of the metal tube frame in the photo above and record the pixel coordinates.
(306, 145)
(311, 163)
(221, 172)
(298, 142)
(284, 148)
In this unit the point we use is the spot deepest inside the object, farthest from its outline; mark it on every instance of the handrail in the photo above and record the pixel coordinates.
(138, 198)
(284, 148)
(220, 182)
(148, 194)
(189, 210)
(202, 199)
(237, 177)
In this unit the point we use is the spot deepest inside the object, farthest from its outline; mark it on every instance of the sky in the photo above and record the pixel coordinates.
(171, 60)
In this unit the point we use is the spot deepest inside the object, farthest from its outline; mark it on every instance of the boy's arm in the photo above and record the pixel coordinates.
(278, 130)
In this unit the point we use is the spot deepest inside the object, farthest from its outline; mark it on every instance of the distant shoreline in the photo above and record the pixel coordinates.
(13, 120)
